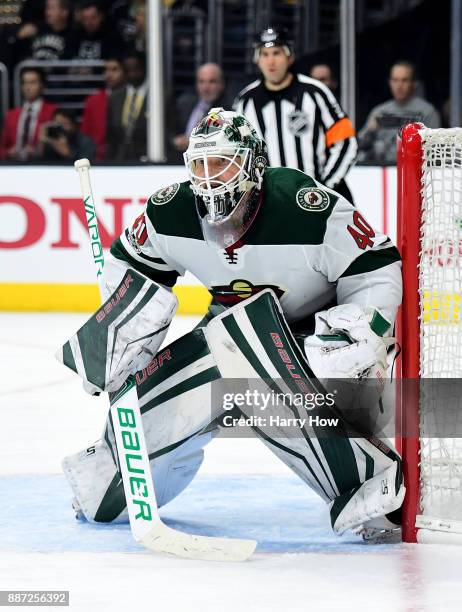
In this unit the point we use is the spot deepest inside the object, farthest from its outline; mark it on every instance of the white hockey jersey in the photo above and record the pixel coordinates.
(307, 243)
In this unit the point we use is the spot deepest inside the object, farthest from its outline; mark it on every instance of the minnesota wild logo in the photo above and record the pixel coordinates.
(210, 124)
(164, 195)
(312, 198)
(239, 290)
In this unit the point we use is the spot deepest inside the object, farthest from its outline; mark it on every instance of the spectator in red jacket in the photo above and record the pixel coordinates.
(94, 117)
(22, 124)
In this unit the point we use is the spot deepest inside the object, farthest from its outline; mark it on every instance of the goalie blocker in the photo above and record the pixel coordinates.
(123, 336)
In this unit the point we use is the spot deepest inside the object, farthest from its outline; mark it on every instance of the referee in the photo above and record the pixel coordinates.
(301, 121)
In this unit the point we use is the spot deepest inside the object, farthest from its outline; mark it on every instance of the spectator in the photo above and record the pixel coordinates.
(120, 16)
(32, 13)
(139, 42)
(94, 117)
(95, 39)
(325, 74)
(299, 118)
(54, 38)
(129, 19)
(210, 92)
(126, 121)
(22, 124)
(377, 139)
(61, 141)
(14, 38)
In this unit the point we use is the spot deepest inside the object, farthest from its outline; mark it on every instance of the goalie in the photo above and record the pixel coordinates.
(281, 255)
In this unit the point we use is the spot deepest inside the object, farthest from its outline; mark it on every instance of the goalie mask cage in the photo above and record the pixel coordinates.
(429, 331)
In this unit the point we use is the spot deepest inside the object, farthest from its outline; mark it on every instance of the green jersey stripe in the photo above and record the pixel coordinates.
(372, 260)
(158, 276)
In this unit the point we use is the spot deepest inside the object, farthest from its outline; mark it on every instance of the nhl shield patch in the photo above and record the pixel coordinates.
(164, 195)
(299, 122)
(312, 198)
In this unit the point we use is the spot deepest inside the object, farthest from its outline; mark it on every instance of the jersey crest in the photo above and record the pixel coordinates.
(164, 195)
(312, 198)
(238, 290)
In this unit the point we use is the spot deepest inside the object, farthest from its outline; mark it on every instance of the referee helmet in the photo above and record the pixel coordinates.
(273, 37)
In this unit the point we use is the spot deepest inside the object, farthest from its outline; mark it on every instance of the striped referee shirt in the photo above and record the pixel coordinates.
(304, 127)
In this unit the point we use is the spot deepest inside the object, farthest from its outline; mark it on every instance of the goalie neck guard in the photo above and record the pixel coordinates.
(226, 160)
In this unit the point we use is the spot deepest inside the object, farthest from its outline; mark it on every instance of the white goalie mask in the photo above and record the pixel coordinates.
(226, 161)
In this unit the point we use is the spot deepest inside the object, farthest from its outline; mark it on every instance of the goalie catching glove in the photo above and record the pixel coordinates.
(123, 336)
(349, 343)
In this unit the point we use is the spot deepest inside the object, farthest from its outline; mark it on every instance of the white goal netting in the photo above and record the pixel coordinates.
(440, 283)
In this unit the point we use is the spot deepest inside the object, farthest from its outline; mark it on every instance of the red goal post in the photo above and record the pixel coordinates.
(429, 331)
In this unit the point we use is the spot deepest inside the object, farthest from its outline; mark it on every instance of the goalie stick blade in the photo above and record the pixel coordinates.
(163, 539)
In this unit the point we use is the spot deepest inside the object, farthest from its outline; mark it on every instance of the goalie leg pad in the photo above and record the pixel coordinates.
(252, 341)
(122, 336)
(90, 472)
(97, 484)
(375, 498)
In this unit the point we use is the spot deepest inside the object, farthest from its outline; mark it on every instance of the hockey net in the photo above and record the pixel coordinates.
(430, 331)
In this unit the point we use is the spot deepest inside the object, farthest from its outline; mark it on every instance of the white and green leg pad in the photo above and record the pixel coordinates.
(376, 497)
(359, 477)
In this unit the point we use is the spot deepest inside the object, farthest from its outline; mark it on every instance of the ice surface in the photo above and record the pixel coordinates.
(280, 512)
(241, 491)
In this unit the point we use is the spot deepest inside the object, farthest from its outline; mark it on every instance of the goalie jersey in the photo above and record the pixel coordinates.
(307, 243)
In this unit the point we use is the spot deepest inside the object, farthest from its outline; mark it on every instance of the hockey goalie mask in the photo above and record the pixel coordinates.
(226, 161)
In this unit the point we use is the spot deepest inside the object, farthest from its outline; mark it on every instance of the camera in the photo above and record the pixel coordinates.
(55, 130)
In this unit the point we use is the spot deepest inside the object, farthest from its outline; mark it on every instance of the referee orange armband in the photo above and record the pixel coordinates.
(341, 130)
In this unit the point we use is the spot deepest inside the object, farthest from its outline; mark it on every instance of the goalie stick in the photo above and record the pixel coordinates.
(145, 523)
